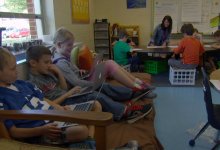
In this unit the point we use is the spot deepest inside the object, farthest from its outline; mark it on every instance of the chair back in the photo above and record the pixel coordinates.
(208, 98)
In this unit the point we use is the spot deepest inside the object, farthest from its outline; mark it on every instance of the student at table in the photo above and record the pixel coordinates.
(189, 47)
(215, 56)
(161, 34)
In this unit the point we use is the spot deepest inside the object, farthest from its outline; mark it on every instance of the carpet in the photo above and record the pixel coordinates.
(208, 135)
(162, 80)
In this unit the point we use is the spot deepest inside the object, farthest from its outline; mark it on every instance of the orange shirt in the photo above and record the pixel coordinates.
(191, 50)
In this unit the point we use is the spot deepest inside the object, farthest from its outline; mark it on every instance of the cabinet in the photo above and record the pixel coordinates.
(132, 30)
(102, 39)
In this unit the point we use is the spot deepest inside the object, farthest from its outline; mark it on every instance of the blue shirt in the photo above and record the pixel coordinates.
(160, 36)
(28, 97)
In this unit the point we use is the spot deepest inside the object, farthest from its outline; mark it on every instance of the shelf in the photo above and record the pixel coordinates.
(102, 46)
(100, 30)
(132, 31)
(102, 38)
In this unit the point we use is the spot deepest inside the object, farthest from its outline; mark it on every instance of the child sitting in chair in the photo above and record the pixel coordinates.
(123, 53)
(21, 95)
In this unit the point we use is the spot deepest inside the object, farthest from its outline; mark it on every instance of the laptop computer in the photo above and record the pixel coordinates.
(99, 78)
(97, 60)
(85, 106)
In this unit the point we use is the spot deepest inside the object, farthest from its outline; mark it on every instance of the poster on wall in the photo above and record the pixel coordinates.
(136, 4)
(80, 11)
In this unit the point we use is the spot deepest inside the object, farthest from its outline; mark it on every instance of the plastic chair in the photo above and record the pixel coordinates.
(213, 111)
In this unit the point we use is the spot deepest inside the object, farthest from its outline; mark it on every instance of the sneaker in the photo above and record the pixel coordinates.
(136, 95)
(131, 145)
(150, 95)
(148, 86)
(136, 112)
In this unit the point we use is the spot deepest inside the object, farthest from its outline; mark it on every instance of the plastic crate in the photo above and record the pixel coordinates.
(218, 64)
(155, 66)
(182, 76)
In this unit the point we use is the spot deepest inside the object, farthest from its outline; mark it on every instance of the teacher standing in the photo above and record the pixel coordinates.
(162, 33)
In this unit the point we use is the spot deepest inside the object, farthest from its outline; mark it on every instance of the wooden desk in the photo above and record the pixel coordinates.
(161, 50)
(215, 79)
(215, 75)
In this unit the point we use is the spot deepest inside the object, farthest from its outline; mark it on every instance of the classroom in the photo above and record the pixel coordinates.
(152, 66)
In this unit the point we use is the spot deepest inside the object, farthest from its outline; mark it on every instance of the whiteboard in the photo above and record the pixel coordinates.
(197, 12)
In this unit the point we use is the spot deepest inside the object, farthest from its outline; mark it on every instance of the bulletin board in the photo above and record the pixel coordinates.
(198, 12)
(80, 11)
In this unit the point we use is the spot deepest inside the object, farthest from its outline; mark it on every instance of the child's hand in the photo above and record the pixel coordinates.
(51, 131)
(74, 90)
(54, 69)
(164, 44)
(66, 107)
(82, 72)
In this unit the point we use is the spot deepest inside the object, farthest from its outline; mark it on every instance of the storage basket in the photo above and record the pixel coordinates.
(155, 66)
(182, 76)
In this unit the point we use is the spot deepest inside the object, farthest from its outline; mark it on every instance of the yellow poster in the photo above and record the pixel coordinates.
(80, 11)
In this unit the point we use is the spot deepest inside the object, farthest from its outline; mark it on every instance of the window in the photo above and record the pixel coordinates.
(21, 20)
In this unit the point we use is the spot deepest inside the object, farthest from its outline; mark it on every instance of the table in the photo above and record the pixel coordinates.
(165, 50)
(155, 49)
(215, 75)
(215, 79)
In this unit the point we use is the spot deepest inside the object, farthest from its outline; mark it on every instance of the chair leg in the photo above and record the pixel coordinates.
(216, 146)
(192, 142)
(216, 141)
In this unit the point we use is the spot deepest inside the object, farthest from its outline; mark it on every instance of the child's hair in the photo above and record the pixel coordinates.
(62, 35)
(5, 55)
(187, 29)
(122, 34)
(36, 52)
(196, 30)
(169, 19)
(217, 33)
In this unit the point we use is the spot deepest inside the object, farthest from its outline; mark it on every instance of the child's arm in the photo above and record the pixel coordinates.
(62, 81)
(49, 130)
(180, 48)
(60, 99)
(216, 45)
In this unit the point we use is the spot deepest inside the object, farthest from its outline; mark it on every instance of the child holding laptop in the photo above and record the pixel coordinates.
(21, 95)
(64, 41)
(52, 83)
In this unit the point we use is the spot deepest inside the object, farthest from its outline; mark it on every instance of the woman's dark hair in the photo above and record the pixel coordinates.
(187, 29)
(169, 19)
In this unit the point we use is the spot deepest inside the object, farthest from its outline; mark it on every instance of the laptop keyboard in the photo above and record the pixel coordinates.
(83, 107)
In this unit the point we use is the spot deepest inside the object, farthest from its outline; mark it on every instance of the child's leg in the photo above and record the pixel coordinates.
(76, 133)
(115, 71)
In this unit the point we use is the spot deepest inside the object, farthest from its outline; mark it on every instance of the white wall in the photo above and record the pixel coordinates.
(82, 32)
(116, 12)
